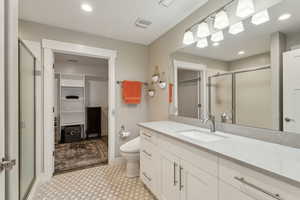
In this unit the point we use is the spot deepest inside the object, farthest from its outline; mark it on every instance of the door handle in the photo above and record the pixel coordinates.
(289, 119)
(174, 168)
(180, 178)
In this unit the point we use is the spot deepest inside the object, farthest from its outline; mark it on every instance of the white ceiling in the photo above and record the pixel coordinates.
(110, 18)
(256, 39)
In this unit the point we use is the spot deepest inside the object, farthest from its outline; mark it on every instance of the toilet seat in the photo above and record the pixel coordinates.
(132, 146)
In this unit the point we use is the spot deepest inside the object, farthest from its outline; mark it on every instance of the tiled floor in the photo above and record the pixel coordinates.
(98, 183)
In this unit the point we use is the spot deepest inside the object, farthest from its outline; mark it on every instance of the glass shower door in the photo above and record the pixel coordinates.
(27, 120)
(220, 98)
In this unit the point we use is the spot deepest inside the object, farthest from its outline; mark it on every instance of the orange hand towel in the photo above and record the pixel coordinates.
(132, 92)
(170, 93)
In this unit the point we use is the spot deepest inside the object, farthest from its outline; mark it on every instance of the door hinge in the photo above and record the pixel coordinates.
(6, 164)
(53, 109)
(53, 153)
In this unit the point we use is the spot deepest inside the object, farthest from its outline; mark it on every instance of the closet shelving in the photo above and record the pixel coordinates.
(72, 110)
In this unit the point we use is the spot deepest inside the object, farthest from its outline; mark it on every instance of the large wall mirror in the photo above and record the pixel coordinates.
(249, 75)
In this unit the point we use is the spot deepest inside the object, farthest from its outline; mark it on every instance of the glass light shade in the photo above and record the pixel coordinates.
(221, 20)
(188, 38)
(202, 43)
(162, 84)
(236, 28)
(245, 8)
(203, 30)
(151, 93)
(261, 17)
(155, 78)
(217, 37)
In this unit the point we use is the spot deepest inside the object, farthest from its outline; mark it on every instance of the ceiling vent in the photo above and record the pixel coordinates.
(165, 3)
(142, 23)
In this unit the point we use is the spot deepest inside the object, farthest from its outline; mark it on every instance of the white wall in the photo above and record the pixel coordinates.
(250, 62)
(131, 64)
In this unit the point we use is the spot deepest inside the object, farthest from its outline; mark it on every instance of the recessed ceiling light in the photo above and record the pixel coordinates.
(215, 44)
(241, 52)
(86, 7)
(284, 16)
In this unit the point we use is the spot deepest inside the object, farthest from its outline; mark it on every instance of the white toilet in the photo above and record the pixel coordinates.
(131, 152)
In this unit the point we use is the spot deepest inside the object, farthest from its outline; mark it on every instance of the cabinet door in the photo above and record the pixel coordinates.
(169, 177)
(196, 184)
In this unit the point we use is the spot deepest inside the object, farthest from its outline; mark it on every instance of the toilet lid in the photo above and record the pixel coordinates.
(133, 146)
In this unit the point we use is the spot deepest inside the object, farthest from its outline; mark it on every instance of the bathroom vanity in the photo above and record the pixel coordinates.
(183, 162)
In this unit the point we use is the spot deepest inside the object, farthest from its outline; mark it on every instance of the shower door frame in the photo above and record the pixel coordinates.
(233, 86)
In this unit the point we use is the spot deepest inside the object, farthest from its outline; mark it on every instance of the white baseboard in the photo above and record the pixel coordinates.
(117, 161)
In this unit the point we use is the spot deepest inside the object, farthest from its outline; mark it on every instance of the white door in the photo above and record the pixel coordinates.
(169, 177)
(49, 111)
(2, 100)
(291, 91)
(197, 184)
(9, 180)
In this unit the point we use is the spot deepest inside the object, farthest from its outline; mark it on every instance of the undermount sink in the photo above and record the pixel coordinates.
(201, 135)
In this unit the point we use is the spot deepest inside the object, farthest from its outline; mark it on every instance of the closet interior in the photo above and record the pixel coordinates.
(81, 106)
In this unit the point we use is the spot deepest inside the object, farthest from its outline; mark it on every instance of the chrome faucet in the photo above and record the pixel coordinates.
(212, 123)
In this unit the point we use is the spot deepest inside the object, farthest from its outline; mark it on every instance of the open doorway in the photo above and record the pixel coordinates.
(81, 112)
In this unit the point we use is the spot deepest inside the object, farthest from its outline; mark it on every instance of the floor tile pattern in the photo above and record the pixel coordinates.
(98, 183)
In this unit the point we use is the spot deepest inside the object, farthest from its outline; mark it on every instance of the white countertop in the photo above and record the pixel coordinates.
(278, 159)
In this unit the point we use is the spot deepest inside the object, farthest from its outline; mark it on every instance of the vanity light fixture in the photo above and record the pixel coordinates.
(245, 8)
(188, 38)
(203, 30)
(221, 20)
(284, 17)
(202, 43)
(241, 53)
(217, 37)
(86, 7)
(236, 28)
(215, 44)
(260, 17)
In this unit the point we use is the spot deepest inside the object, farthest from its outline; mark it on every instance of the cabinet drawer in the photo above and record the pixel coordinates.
(147, 149)
(148, 135)
(146, 172)
(255, 184)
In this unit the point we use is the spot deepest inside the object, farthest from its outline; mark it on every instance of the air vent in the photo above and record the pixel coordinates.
(142, 23)
(73, 61)
(165, 3)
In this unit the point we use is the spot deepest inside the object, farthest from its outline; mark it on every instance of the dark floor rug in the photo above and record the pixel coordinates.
(79, 155)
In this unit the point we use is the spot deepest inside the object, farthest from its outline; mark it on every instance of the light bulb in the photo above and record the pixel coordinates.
(202, 43)
(221, 20)
(236, 28)
(261, 17)
(245, 8)
(217, 37)
(203, 30)
(188, 38)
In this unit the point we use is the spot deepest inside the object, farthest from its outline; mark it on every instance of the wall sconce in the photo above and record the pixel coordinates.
(151, 90)
(162, 83)
(155, 76)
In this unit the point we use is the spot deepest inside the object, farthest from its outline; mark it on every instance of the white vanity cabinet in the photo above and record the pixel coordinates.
(175, 170)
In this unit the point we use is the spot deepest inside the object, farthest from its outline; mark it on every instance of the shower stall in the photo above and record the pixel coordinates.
(242, 97)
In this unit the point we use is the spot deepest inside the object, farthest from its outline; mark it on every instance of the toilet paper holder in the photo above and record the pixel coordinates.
(123, 133)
